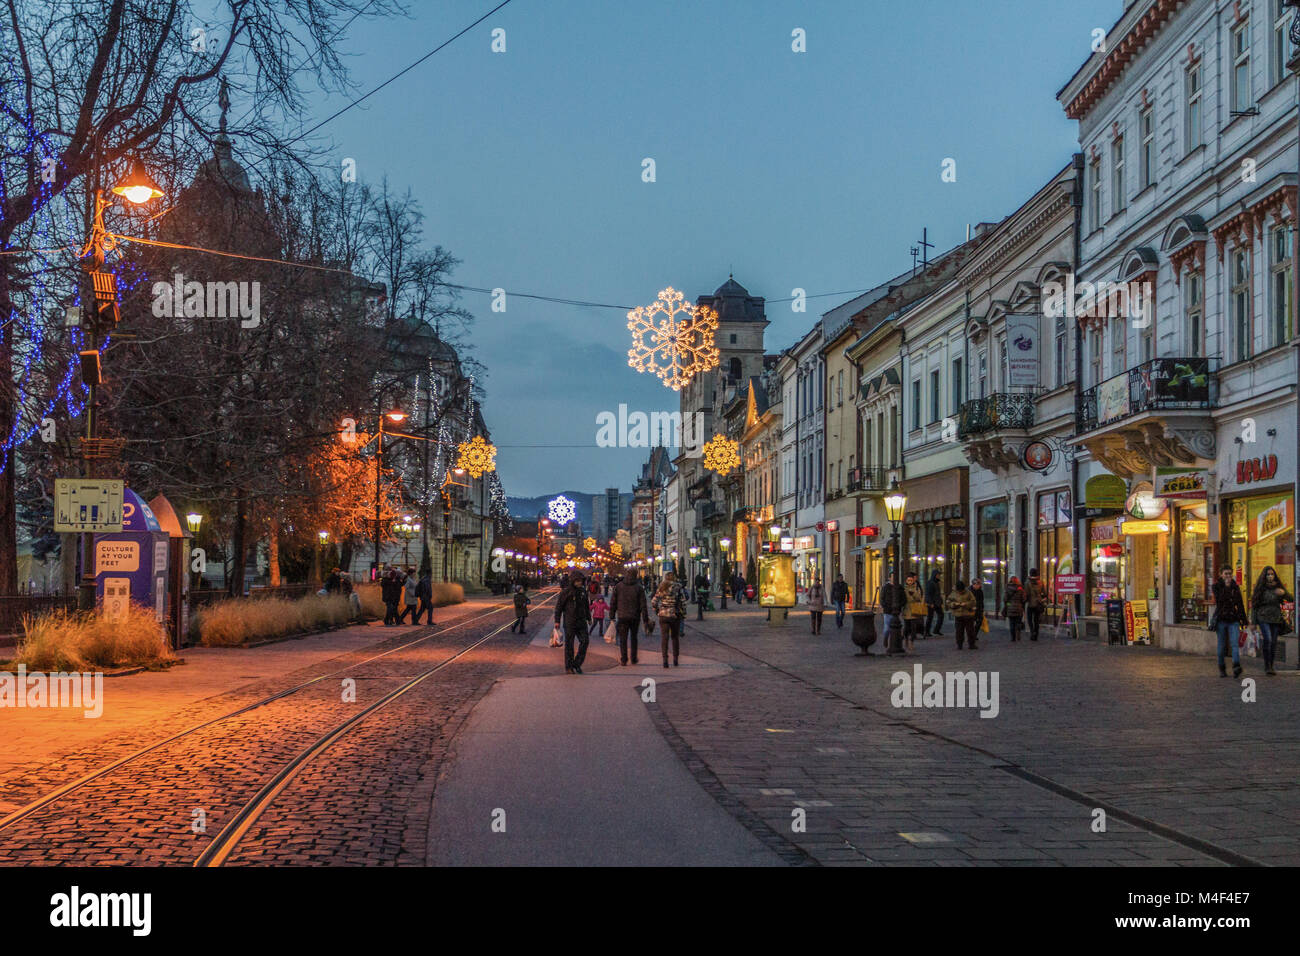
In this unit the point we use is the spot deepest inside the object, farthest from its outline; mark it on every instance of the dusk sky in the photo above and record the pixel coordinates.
(815, 170)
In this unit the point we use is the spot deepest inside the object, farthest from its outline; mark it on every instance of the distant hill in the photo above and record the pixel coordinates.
(527, 508)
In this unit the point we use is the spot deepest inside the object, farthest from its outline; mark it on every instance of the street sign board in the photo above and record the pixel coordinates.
(1070, 583)
(87, 504)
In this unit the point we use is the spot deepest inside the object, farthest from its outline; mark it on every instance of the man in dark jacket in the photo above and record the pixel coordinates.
(1229, 617)
(627, 605)
(839, 594)
(893, 598)
(701, 594)
(573, 611)
(521, 609)
(424, 594)
(977, 589)
(333, 582)
(934, 600)
(390, 590)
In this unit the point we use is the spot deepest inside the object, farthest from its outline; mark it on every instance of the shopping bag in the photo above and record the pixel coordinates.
(984, 624)
(556, 637)
(609, 636)
(917, 609)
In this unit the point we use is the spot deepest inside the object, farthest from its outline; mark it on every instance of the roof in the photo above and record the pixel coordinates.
(733, 303)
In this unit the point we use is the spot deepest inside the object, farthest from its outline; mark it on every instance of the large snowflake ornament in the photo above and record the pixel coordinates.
(589, 543)
(672, 339)
(721, 454)
(561, 510)
(477, 456)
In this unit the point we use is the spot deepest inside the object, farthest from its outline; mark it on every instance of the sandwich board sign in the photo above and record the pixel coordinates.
(87, 504)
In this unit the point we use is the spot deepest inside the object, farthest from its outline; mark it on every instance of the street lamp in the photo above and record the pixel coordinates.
(895, 509)
(322, 537)
(193, 520)
(396, 416)
(725, 544)
(135, 187)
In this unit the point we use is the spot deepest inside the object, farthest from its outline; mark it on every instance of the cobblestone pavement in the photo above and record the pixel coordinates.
(1188, 773)
(144, 811)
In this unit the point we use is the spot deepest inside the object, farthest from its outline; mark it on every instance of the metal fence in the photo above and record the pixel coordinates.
(13, 607)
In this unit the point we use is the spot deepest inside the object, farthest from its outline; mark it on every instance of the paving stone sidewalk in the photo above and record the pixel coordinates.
(803, 724)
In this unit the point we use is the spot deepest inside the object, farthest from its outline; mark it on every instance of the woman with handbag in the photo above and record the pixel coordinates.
(1266, 608)
(914, 610)
(816, 606)
(1013, 607)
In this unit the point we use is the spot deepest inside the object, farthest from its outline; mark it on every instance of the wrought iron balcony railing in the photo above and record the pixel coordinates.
(867, 481)
(997, 411)
(1162, 383)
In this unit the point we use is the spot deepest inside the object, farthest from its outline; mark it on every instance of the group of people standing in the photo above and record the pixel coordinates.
(919, 613)
(629, 608)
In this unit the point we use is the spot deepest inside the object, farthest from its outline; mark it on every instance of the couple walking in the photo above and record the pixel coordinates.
(1266, 611)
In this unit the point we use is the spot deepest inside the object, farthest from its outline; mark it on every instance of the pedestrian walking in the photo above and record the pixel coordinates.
(914, 610)
(1013, 607)
(410, 584)
(390, 590)
(424, 594)
(629, 609)
(893, 602)
(1266, 608)
(738, 587)
(353, 598)
(573, 612)
(670, 605)
(977, 589)
(1035, 602)
(961, 604)
(816, 606)
(521, 610)
(934, 599)
(1229, 615)
(701, 594)
(839, 595)
(598, 609)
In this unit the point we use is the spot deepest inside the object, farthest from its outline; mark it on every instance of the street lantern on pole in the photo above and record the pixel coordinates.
(193, 520)
(725, 544)
(135, 187)
(895, 509)
(396, 416)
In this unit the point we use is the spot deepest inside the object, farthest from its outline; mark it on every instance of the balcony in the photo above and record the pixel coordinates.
(1154, 415)
(982, 424)
(1001, 410)
(867, 481)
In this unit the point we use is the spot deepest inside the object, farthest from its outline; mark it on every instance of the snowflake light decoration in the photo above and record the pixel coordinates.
(616, 549)
(672, 339)
(589, 544)
(722, 455)
(477, 456)
(570, 550)
(561, 510)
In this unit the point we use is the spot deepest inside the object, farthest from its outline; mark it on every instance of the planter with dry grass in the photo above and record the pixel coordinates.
(241, 621)
(78, 641)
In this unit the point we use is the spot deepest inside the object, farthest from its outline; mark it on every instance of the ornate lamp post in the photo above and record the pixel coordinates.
(895, 509)
(725, 544)
(396, 417)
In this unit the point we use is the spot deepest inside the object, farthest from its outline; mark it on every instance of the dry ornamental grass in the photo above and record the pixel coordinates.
(72, 640)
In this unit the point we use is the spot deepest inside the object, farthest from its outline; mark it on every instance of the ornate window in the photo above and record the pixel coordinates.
(1194, 310)
(1147, 155)
(1240, 47)
(1282, 284)
(1094, 198)
(1239, 305)
(1117, 174)
(1193, 117)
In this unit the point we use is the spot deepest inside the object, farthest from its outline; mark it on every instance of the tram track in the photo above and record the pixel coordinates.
(98, 774)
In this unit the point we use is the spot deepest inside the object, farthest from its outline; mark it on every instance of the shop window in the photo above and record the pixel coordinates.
(1261, 534)
(1055, 538)
(1107, 565)
(1194, 569)
(991, 553)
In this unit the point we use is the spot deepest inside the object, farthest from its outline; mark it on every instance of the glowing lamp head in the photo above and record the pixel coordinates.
(323, 535)
(895, 502)
(194, 520)
(136, 186)
(725, 542)
(396, 416)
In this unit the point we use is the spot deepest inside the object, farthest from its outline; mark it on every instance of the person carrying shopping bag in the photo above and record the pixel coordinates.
(1229, 616)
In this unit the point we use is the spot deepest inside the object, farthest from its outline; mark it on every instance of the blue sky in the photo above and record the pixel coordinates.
(814, 170)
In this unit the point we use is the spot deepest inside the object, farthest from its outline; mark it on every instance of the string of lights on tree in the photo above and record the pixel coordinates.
(47, 289)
